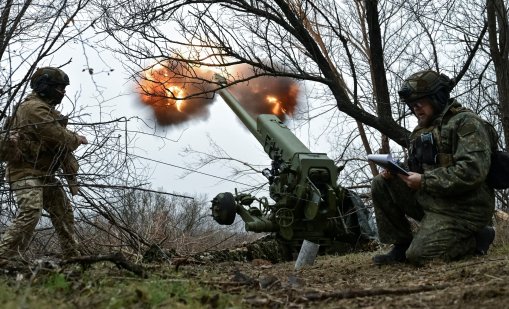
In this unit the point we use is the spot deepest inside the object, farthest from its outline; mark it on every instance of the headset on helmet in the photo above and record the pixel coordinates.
(46, 77)
(45, 82)
(427, 84)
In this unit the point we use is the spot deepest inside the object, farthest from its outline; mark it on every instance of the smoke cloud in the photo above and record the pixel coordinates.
(178, 92)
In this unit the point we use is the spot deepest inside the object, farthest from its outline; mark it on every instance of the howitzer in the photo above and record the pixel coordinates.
(308, 202)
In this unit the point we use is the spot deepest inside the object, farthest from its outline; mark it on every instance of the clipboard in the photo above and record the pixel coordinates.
(386, 161)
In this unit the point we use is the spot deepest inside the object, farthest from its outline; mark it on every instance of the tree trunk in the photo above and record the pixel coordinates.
(376, 59)
(498, 32)
(383, 122)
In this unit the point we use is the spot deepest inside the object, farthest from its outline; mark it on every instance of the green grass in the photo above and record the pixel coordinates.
(57, 283)
(107, 288)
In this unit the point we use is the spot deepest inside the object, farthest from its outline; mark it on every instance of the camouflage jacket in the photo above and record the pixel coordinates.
(43, 139)
(455, 183)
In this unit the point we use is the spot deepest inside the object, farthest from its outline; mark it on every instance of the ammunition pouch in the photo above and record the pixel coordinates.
(9, 140)
(424, 152)
(444, 159)
(9, 150)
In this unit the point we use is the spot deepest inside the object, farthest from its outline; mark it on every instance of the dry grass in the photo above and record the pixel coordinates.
(348, 281)
(501, 224)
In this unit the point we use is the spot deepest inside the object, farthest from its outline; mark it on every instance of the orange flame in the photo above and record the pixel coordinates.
(175, 91)
(268, 95)
(278, 108)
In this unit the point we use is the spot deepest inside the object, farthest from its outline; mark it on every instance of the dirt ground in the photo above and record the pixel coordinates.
(348, 281)
(352, 281)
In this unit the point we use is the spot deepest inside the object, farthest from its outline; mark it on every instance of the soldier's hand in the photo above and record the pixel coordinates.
(413, 181)
(83, 140)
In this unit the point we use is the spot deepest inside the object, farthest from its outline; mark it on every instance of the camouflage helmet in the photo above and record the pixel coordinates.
(46, 81)
(48, 76)
(426, 84)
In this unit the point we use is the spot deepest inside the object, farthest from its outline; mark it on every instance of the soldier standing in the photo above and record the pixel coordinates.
(45, 145)
(449, 158)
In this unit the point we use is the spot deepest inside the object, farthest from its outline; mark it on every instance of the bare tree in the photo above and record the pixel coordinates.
(31, 31)
(297, 39)
(498, 28)
(34, 33)
(353, 54)
(358, 50)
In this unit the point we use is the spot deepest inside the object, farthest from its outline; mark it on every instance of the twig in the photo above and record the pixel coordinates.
(494, 277)
(116, 258)
(314, 296)
(480, 261)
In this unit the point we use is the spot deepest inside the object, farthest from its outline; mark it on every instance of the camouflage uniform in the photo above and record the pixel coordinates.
(44, 142)
(454, 201)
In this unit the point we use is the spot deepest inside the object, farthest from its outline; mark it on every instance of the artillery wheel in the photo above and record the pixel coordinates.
(224, 208)
(284, 217)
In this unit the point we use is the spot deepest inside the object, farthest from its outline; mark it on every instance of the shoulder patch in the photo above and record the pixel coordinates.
(467, 129)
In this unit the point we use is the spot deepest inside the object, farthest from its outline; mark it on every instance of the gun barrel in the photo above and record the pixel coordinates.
(243, 115)
(275, 137)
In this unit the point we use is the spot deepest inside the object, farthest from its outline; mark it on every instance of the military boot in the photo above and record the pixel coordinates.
(396, 255)
(484, 238)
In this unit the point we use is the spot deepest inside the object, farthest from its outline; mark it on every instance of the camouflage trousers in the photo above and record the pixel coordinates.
(439, 236)
(32, 196)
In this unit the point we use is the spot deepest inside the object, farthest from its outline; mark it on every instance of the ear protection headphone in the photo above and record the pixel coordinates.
(40, 83)
(46, 78)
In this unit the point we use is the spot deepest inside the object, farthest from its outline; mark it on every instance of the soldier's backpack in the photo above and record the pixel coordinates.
(498, 175)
